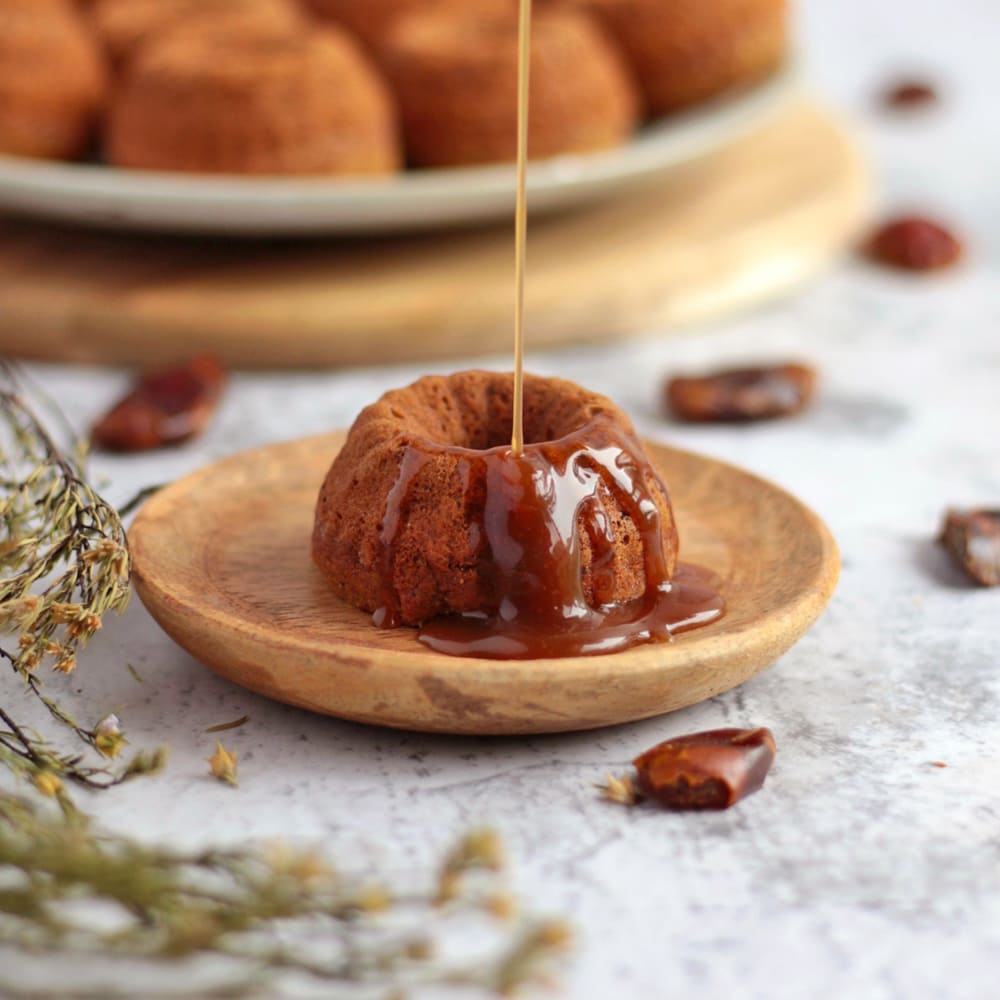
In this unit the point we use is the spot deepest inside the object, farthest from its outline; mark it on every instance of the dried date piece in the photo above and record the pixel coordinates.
(711, 770)
(741, 394)
(905, 95)
(972, 537)
(164, 408)
(913, 243)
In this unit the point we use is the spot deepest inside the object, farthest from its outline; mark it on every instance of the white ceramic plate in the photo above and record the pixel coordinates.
(419, 199)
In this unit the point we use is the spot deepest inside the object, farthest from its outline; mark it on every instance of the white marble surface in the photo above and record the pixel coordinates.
(860, 870)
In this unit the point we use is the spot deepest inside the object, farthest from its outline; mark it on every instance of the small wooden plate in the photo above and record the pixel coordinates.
(222, 562)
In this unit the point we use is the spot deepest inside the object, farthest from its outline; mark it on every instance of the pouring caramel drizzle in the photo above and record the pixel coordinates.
(521, 218)
(537, 506)
(541, 500)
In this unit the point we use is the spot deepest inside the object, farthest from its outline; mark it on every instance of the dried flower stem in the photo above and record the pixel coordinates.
(65, 564)
(271, 913)
(223, 726)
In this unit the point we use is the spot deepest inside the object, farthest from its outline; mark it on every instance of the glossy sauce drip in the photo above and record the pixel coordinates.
(536, 507)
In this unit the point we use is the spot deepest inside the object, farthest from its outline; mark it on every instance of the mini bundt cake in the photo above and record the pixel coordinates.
(126, 26)
(302, 103)
(455, 78)
(371, 20)
(402, 472)
(53, 81)
(686, 51)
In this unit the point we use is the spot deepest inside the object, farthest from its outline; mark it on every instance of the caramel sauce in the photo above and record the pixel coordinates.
(521, 219)
(540, 499)
(537, 506)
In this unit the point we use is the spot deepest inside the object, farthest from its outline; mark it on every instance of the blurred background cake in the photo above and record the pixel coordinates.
(254, 103)
(456, 81)
(685, 51)
(53, 80)
(360, 86)
(372, 20)
(125, 26)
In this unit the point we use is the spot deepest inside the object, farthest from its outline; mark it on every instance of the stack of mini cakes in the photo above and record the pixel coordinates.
(349, 87)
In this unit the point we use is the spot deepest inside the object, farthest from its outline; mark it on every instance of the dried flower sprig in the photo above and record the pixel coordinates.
(620, 789)
(64, 564)
(269, 913)
(223, 765)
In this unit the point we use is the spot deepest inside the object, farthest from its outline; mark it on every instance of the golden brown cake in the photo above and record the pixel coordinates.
(53, 81)
(685, 51)
(372, 20)
(125, 26)
(405, 471)
(302, 103)
(456, 82)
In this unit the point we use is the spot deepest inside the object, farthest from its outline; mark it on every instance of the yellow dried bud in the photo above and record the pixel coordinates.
(110, 745)
(108, 736)
(49, 784)
(223, 765)
(27, 609)
(310, 868)
(373, 899)
(104, 549)
(502, 905)
(621, 790)
(303, 866)
(120, 565)
(63, 612)
(278, 855)
(84, 627)
(66, 665)
(419, 950)
(554, 935)
(483, 848)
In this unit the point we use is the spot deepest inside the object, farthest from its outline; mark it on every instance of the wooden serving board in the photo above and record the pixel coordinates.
(222, 561)
(715, 235)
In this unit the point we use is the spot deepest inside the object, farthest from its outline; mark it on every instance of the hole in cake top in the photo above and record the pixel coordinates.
(475, 409)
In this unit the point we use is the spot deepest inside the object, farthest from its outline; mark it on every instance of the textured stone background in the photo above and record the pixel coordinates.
(860, 870)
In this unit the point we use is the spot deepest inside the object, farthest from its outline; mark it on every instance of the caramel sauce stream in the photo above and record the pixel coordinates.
(521, 219)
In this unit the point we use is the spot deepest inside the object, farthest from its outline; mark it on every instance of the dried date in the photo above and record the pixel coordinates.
(163, 408)
(741, 394)
(972, 538)
(905, 95)
(913, 243)
(710, 770)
